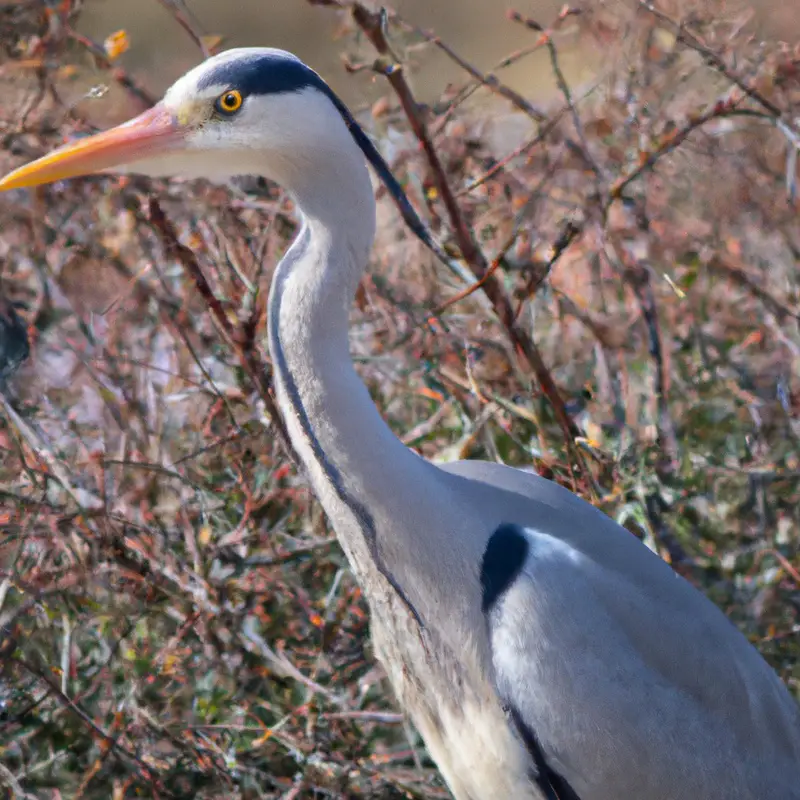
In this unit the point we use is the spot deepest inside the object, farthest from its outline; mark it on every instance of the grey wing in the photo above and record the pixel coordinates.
(605, 689)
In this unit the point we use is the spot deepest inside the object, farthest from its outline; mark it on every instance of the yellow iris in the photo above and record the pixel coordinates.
(229, 102)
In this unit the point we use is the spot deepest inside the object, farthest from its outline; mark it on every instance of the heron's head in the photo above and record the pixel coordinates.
(244, 111)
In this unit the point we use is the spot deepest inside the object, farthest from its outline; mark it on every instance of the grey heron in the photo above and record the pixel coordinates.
(540, 649)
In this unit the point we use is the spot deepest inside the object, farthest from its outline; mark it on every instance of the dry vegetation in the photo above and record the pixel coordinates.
(176, 620)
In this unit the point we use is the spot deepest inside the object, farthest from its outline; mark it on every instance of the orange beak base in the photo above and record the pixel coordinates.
(150, 134)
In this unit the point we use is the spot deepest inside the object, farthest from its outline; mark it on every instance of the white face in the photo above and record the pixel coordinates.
(228, 130)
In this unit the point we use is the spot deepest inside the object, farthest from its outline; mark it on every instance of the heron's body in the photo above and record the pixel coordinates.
(634, 684)
(541, 650)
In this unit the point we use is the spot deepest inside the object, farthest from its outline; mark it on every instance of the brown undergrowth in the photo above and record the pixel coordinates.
(176, 619)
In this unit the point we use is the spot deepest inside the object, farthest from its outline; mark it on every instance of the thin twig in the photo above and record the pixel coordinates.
(118, 73)
(489, 80)
(722, 108)
(282, 559)
(112, 741)
(525, 147)
(84, 498)
(184, 18)
(643, 290)
(249, 359)
(547, 39)
(711, 58)
(370, 23)
(7, 779)
(738, 274)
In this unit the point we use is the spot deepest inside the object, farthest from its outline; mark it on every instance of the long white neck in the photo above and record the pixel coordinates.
(359, 470)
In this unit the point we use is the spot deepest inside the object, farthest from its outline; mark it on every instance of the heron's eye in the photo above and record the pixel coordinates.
(229, 102)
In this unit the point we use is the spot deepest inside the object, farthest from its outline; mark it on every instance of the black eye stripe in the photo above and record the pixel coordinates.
(262, 73)
(265, 71)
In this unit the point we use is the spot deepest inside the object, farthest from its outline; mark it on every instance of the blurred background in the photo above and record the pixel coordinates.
(160, 51)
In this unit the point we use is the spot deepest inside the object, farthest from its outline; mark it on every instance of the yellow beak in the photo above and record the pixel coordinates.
(150, 134)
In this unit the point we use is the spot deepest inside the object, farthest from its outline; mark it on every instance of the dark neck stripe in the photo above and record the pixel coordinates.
(276, 72)
(362, 515)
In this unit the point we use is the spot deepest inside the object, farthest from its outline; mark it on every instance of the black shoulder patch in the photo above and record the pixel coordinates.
(503, 560)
